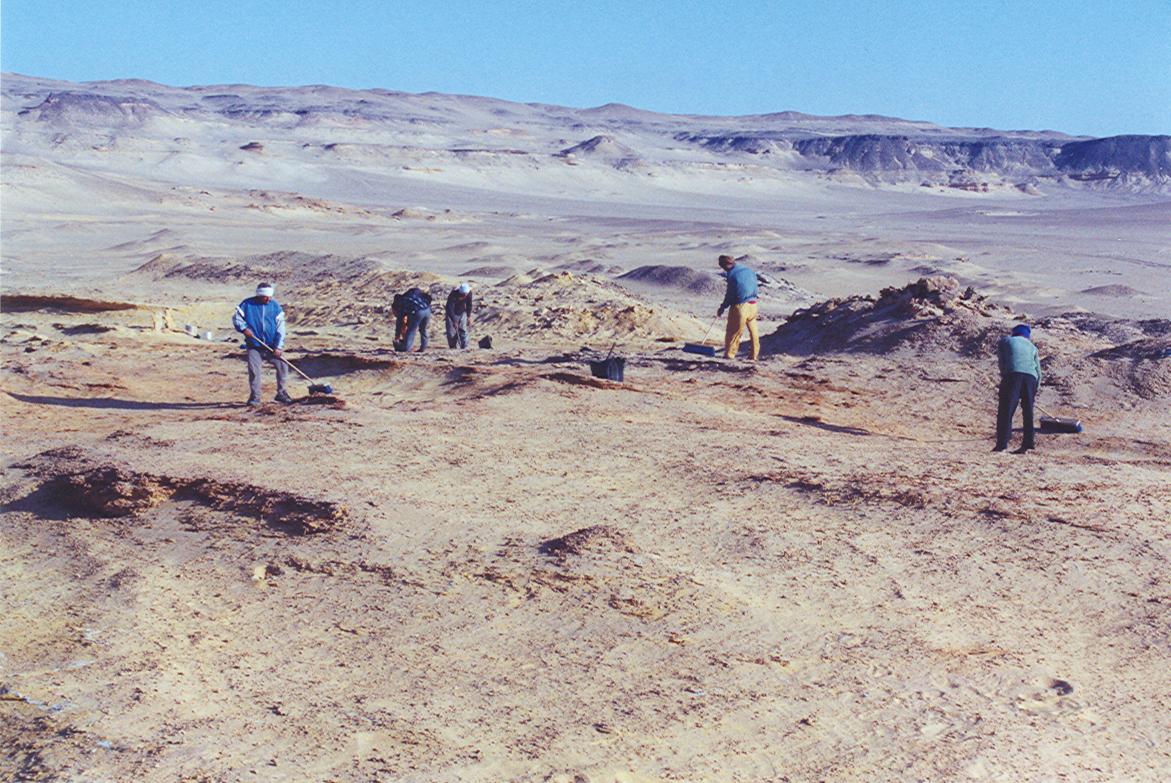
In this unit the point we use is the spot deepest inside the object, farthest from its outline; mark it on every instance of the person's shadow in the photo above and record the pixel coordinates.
(111, 403)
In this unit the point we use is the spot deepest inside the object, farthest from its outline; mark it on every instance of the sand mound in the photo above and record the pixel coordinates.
(931, 314)
(279, 267)
(490, 270)
(589, 266)
(522, 278)
(285, 202)
(596, 538)
(1142, 367)
(1116, 330)
(334, 291)
(314, 290)
(676, 277)
(27, 303)
(1110, 290)
(570, 307)
(599, 146)
(163, 235)
(74, 483)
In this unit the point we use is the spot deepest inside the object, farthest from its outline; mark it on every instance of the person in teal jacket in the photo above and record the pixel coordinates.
(1020, 377)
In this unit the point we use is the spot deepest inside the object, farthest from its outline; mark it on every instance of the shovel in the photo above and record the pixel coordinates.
(700, 348)
(314, 387)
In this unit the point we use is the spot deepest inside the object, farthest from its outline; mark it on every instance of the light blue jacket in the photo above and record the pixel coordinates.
(1018, 354)
(741, 286)
(267, 321)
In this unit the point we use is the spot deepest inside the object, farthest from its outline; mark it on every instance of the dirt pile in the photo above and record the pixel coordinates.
(289, 268)
(315, 290)
(1110, 290)
(321, 291)
(1142, 367)
(72, 483)
(676, 277)
(569, 307)
(1134, 356)
(931, 314)
(601, 538)
(28, 303)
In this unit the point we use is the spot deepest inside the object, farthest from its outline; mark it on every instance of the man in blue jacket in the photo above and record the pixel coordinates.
(1020, 375)
(740, 302)
(262, 322)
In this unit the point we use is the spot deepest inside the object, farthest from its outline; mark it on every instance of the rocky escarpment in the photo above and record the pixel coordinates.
(73, 107)
(1133, 162)
(883, 154)
(1117, 157)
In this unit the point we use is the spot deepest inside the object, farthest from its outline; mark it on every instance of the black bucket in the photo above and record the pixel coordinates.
(611, 369)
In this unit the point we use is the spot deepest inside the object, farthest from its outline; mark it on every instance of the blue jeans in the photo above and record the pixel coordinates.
(418, 321)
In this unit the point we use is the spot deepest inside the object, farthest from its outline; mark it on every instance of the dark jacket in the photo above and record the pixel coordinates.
(458, 304)
(415, 301)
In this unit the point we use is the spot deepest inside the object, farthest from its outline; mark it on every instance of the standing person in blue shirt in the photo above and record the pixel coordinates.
(262, 322)
(416, 306)
(740, 302)
(1020, 375)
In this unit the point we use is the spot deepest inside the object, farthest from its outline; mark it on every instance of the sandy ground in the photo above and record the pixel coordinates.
(490, 566)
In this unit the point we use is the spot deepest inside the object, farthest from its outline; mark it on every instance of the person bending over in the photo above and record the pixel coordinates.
(1020, 377)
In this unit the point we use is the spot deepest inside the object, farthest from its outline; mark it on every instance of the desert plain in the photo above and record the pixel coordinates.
(489, 565)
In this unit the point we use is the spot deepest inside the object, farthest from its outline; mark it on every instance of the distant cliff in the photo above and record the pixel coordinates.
(1136, 162)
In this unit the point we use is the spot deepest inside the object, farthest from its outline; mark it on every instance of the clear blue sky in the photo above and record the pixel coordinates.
(1081, 66)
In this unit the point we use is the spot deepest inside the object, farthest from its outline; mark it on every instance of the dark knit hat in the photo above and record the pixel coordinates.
(1022, 330)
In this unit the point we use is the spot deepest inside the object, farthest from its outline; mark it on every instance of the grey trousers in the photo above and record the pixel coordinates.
(255, 360)
(457, 330)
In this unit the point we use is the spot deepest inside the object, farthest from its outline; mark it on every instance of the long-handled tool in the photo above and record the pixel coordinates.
(314, 386)
(700, 347)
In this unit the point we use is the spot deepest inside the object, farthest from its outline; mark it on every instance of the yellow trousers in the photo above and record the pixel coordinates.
(739, 317)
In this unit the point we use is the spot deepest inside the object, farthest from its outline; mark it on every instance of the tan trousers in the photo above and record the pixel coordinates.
(739, 317)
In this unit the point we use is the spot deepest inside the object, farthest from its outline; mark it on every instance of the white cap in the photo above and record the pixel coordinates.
(265, 289)
(464, 288)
